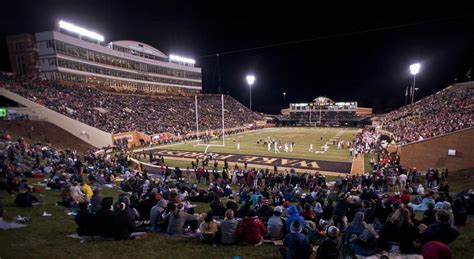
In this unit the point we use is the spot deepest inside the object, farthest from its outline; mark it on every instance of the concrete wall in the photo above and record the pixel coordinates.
(433, 152)
(93, 136)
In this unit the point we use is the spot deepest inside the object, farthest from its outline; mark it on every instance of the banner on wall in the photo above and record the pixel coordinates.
(127, 139)
(161, 136)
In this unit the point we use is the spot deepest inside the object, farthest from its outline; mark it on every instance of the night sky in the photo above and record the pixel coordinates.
(371, 68)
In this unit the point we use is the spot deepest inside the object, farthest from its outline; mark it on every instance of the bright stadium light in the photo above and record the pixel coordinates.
(81, 31)
(415, 68)
(182, 59)
(250, 81)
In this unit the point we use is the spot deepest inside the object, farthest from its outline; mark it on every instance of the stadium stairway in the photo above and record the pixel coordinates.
(358, 165)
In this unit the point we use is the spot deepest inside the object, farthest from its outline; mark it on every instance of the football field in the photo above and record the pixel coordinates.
(331, 158)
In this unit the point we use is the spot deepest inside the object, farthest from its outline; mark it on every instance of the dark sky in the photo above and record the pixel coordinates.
(371, 68)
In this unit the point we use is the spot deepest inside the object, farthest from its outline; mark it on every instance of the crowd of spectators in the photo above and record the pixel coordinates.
(448, 110)
(114, 111)
(360, 214)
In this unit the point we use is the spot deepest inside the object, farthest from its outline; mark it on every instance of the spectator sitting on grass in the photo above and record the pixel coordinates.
(440, 231)
(228, 227)
(331, 246)
(251, 229)
(276, 226)
(104, 218)
(95, 201)
(297, 243)
(209, 228)
(84, 220)
(25, 199)
(293, 216)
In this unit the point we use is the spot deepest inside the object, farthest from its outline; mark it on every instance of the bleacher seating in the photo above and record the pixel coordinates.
(114, 111)
(448, 110)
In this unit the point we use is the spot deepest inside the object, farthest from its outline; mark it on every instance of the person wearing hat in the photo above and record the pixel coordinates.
(285, 207)
(331, 246)
(276, 225)
(296, 243)
(123, 226)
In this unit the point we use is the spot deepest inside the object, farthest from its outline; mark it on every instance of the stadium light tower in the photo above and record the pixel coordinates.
(284, 98)
(80, 31)
(250, 81)
(414, 69)
(182, 59)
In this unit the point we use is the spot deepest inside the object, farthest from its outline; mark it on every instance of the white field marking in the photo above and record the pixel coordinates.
(192, 141)
(257, 132)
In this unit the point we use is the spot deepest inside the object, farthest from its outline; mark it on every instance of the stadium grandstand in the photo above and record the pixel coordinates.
(448, 110)
(74, 55)
(324, 111)
(116, 112)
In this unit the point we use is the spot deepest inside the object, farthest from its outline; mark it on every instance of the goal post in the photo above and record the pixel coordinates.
(199, 143)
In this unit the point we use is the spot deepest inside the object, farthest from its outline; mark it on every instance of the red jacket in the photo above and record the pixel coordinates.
(251, 230)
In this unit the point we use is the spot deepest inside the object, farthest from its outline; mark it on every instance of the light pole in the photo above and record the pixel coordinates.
(414, 69)
(284, 99)
(250, 81)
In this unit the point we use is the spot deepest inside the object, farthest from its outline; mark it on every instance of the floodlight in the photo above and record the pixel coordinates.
(250, 79)
(415, 68)
(81, 31)
(182, 59)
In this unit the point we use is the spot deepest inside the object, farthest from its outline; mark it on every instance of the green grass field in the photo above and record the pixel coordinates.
(302, 137)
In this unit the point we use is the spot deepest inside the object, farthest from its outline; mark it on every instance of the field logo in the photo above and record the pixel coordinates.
(341, 167)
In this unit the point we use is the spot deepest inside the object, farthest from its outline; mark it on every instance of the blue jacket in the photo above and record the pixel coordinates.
(293, 215)
(341, 208)
(298, 246)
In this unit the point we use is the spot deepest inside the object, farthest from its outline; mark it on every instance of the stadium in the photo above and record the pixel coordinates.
(117, 148)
